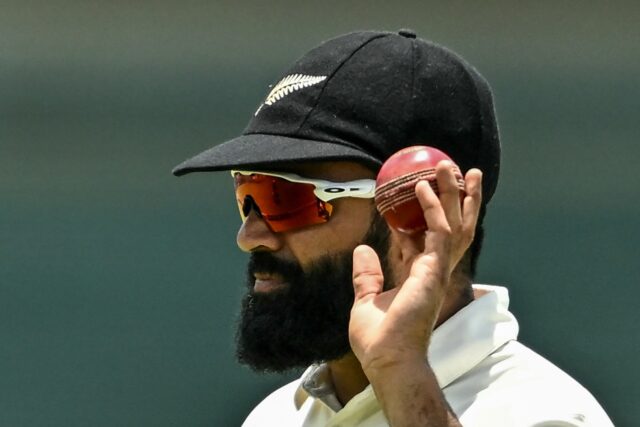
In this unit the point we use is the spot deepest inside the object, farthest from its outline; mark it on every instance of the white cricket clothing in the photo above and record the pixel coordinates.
(487, 377)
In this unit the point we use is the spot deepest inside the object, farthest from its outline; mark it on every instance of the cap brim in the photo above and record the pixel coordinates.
(268, 151)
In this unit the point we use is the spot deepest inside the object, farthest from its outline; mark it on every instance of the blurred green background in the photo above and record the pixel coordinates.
(119, 284)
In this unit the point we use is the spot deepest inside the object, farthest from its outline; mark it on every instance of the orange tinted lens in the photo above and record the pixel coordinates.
(284, 205)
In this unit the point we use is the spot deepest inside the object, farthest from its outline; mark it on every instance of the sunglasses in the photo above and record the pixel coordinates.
(287, 201)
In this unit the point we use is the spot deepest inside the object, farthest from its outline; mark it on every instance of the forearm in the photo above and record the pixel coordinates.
(410, 395)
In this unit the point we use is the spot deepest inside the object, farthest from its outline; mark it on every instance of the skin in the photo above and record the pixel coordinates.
(348, 224)
(389, 331)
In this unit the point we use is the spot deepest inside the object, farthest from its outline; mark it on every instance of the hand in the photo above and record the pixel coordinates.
(393, 327)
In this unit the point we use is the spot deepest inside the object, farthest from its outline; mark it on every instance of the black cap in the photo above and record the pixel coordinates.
(362, 97)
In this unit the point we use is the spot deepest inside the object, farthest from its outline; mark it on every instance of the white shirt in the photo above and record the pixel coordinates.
(487, 377)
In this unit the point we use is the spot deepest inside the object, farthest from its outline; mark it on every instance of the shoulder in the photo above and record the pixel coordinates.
(278, 408)
(526, 389)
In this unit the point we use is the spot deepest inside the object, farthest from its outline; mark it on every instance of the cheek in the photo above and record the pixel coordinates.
(350, 223)
(343, 232)
(308, 245)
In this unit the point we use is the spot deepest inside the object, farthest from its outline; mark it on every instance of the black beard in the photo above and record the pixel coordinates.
(308, 321)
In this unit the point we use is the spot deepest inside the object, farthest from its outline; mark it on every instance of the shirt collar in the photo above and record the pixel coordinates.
(471, 334)
(457, 345)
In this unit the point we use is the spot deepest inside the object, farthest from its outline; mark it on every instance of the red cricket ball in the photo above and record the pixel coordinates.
(395, 186)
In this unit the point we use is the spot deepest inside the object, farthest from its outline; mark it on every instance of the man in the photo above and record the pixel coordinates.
(389, 325)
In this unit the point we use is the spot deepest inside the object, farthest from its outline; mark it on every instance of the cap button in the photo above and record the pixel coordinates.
(410, 34)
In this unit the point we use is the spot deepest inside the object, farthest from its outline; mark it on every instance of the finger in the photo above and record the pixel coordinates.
(427, 275)
(431, 207)
(472, 201)
(436, 238)
(408, 245)
(449, 193)
(367, 272)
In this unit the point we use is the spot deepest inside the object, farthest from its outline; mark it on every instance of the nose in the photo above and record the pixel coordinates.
(255, 234)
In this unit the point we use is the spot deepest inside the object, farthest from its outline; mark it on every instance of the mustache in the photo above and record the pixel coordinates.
(265, 262)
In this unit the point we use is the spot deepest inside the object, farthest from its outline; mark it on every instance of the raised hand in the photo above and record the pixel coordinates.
(389, 330)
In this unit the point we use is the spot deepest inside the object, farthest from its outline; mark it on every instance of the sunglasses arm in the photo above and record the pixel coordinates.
(326, 190)
(361, 188)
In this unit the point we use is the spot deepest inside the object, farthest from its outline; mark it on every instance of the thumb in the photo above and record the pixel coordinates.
(367, 272)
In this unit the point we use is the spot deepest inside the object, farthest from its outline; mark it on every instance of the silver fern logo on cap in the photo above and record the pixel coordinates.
(289, 84)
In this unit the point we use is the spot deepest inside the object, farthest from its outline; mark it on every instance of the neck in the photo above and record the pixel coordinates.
(459, 297)
(348, 377)
(346, 373)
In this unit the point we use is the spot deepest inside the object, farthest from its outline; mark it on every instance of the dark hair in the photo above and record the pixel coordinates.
(476, 245)
(469, 262)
